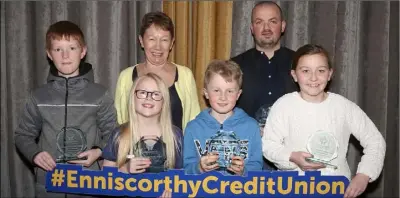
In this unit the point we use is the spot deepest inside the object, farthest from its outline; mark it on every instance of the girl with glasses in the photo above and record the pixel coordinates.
(149, 142)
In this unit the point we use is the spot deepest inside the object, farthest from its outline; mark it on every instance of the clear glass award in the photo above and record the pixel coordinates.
(153, 148)
(324, 147)
(70, 143)
(226, 144)
(262, 115)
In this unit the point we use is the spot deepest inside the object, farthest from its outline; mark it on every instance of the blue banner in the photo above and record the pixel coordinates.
(70, 178)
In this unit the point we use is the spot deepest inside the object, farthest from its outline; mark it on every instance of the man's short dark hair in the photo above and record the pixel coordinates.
(261, 3)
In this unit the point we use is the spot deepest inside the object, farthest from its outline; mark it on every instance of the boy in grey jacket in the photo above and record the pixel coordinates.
(69, 119)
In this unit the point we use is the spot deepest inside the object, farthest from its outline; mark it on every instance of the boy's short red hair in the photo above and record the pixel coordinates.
(66, 30)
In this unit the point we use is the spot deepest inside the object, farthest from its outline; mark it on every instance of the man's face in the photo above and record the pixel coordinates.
(267, 26)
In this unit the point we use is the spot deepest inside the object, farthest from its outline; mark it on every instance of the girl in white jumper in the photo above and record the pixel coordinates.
(297, 115)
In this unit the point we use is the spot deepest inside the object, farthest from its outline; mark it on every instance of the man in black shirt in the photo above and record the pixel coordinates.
(266, 68)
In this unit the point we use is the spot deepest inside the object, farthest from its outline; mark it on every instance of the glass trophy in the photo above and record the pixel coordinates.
(226, 144)
(262, 114)
(324, 148)
(153, 148)
(70, 143)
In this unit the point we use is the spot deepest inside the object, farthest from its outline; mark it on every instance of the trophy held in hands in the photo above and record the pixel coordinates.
(324, 148)
(226, 144)
(70, 143)
(154, 148)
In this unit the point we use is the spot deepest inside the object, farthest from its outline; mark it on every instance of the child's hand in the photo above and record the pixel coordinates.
(299, 158)
(92, 155)
(44, 161)
(209, 162)
(357, 186)
(138, 164)
(237, 165)
(166, 194)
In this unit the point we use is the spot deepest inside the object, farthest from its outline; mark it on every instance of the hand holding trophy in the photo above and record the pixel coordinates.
(226, 144)
(70, 143)
(324, 148)
(151, 149)
(137, 164)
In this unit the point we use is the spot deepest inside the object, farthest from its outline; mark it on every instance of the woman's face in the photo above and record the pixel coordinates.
(157, 44)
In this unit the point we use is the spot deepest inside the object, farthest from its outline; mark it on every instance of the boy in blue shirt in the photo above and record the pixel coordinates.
(222, 88)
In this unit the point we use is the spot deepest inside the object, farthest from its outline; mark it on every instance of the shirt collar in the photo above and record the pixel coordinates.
(276, 52)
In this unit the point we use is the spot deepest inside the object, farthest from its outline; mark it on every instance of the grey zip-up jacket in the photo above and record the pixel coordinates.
(76, 103)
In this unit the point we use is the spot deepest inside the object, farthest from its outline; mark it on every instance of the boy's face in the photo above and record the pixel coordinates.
(221, 94)
(66, 56)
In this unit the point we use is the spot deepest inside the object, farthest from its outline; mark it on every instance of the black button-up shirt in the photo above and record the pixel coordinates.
(264, 80)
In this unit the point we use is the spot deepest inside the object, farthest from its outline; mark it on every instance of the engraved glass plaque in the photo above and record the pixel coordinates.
(70, 143)
(324, 147)
(226, 144)
(155, 149)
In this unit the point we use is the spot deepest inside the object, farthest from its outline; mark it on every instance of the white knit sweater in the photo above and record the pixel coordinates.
(292, 120)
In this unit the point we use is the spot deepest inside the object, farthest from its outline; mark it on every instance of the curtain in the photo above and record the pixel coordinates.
(203, 33)
(111, 32)
(362, 38)
(363, 41)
